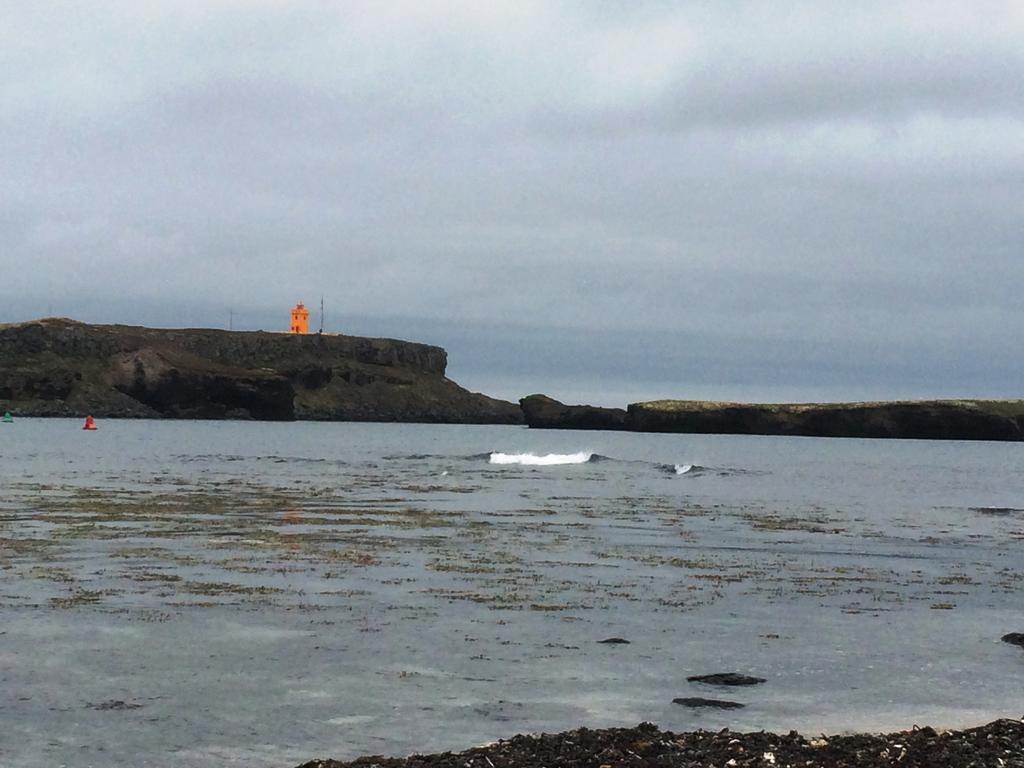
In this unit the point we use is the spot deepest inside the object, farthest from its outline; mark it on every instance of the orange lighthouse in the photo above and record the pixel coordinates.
(300, 319)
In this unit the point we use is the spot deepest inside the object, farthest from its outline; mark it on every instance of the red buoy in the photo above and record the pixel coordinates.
(90, 423)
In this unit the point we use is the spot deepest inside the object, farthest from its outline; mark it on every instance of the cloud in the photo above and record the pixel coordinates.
(784, 173)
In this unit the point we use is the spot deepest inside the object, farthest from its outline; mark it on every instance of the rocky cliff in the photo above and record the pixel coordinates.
(59, 367)
(924, 420)
(545, 412)
(921, 420)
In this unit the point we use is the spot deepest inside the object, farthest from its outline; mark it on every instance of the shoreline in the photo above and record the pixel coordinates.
(998, 743)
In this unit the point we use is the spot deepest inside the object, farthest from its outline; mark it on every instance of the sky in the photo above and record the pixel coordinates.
(603, 201)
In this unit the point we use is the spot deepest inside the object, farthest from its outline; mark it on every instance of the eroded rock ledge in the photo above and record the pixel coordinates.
(924, 420)
(60, 367)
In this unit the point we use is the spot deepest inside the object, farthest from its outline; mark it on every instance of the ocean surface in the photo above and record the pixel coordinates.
(260, 594)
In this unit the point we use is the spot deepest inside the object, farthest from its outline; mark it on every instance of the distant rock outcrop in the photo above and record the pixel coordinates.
(922, 420)
(545, 412)
(59, 367)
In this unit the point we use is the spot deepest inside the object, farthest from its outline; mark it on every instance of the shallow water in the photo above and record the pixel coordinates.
(261, 594)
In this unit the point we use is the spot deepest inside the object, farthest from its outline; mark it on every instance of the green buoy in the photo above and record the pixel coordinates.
(7, 419)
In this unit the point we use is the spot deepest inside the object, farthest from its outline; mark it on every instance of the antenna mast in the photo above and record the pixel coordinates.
(321, 315)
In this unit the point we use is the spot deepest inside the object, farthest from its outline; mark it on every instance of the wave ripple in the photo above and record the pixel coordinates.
(535, 460)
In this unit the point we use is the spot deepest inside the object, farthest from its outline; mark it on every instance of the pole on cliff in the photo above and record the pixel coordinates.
(321, 315)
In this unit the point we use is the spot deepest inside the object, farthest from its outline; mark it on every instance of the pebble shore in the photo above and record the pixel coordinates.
(1000, 744)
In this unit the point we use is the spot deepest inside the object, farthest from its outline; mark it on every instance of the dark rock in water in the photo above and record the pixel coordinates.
(113, 704)
(726, 678)
(1000, 511)
(1014, 638)
(546, 413)
(614, 641)
(696, 701)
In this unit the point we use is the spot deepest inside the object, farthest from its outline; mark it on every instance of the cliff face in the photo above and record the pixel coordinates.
(61, 367)
(923, 420)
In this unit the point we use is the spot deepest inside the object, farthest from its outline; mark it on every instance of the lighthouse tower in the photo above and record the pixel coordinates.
(300, 319)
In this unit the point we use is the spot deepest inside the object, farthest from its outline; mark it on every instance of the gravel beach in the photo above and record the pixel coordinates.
(1000, 744)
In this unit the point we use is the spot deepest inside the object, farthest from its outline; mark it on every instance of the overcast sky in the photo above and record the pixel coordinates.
(606, 201)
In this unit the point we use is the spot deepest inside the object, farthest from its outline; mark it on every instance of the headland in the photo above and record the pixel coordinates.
(61, 367)
(907, 419)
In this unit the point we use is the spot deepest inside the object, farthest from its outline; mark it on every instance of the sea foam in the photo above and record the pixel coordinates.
(534, 460)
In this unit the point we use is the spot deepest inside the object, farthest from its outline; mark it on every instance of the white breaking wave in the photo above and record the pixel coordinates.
(547, 460)
(682, 469)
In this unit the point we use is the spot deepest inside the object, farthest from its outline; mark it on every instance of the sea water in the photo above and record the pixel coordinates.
(196, 593)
